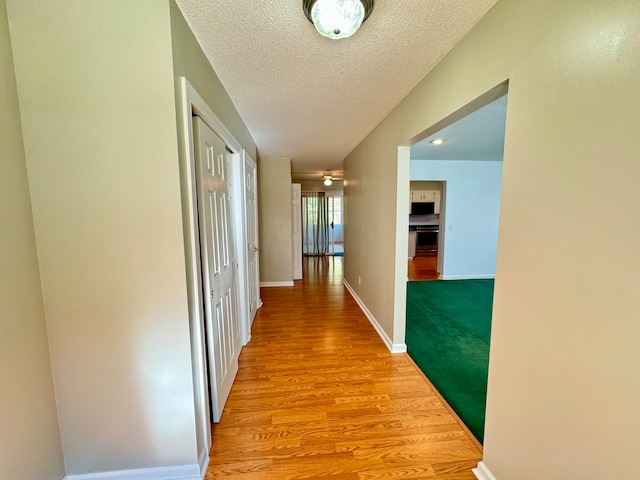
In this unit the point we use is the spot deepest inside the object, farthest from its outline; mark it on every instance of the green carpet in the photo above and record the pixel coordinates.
(448, 330)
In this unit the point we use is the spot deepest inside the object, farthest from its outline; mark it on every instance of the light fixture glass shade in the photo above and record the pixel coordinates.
(327, 180)
(337, 18)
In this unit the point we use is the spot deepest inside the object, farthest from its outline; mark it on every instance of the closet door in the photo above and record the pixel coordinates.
(218, 263)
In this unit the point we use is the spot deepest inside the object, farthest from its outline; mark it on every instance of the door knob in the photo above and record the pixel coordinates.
(256, 249)
(213, 294)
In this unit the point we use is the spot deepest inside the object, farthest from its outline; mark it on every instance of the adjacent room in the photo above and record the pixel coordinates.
(456, 176)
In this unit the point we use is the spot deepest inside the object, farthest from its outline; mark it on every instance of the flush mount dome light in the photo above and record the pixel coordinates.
(337, 18)
(328, 180)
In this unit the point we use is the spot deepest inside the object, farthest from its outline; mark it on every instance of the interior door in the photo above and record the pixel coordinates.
(251, 229)
(218, 263)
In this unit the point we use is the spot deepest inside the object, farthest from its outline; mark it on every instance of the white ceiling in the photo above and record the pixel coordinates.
(478, 136)
(313, 99)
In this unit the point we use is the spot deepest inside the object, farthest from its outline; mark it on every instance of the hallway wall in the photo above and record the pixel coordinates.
(274, 213)
(562, 383)
(96, 89)
(28, 416)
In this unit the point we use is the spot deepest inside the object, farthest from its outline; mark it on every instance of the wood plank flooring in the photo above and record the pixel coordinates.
(423, 268)
(319, 396)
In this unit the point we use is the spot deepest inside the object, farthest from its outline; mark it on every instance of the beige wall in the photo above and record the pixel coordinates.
(29, 435)
(563, 392)
(274, 204)
(318, 186)
(96, 91)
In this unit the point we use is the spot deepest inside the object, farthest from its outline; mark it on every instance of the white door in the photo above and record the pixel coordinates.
(251, 229)
(218, 262)
(296, 229)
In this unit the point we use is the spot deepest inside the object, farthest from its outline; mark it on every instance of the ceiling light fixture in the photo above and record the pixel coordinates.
(337, 18)
(327, 180)
(437, 141)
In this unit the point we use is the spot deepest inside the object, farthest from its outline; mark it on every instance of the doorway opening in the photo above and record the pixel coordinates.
(322, 224)
(425, 213)
(448, 318)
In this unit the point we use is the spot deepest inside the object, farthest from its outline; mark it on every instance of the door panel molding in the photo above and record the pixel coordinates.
(218, 266)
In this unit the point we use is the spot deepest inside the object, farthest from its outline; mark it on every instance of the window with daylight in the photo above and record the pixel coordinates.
(322, 223)
(335, 210)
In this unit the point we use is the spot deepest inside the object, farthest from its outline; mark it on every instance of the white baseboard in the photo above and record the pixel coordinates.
(178, 472)
(204, 462)
(467, 277)
(482, 472)
(393, 347)
(276, 284)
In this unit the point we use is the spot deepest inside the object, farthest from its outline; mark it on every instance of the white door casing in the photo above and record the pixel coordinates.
(191, 103)
(241, 254)
(218, 262)
(251, 235)
(296, 229)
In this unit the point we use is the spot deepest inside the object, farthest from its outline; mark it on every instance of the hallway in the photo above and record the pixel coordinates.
(318, 395)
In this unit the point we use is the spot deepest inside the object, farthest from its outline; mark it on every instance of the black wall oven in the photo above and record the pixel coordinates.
(427, 240)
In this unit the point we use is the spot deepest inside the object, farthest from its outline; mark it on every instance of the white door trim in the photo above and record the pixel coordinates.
(194, 103)
(296, 229)
(238, 201)
(191, 103)
(254, 274)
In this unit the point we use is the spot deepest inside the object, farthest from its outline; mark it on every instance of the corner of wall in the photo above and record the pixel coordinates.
(482, 472)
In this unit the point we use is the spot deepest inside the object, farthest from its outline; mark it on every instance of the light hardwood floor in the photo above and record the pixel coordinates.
(318, 395)
(423, 268)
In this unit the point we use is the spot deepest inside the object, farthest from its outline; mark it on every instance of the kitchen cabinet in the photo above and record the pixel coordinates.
(423, 195)
(431, 196)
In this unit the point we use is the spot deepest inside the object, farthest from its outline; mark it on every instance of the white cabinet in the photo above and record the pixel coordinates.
(427, 196)
(423, 195)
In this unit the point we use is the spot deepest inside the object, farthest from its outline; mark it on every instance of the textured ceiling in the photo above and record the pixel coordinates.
(313, 99)
(478, 136)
